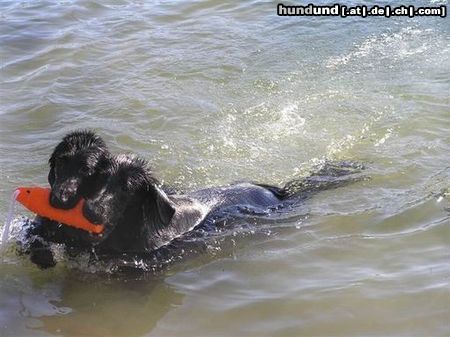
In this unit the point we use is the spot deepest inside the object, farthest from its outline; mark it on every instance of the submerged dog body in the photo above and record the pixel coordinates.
(140, 217)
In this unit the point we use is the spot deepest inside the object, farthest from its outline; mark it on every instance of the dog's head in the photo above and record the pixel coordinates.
(130, 197)
(77, 168)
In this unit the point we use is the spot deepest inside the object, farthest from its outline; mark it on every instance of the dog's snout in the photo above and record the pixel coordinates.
(69, 187)
(65, 195)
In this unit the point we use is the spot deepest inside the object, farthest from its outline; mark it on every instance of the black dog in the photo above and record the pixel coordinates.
(78, 167)
(139, 216)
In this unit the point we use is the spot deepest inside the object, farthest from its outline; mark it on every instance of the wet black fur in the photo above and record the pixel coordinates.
(76, 168)
(132, 206)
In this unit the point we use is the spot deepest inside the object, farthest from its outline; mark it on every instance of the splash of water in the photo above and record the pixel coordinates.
(387, 46)
(9, 218)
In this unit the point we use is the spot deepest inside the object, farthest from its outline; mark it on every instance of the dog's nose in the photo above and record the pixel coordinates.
(67, 195)
(64, 197)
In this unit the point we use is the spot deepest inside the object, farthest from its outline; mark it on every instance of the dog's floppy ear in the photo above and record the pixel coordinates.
(158, 209)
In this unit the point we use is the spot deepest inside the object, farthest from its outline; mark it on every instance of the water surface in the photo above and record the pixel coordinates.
(212, 93)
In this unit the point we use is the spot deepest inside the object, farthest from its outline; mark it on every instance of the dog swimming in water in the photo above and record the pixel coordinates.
(142, 217)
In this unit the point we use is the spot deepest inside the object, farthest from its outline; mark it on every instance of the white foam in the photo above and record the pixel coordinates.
(394, 46)
(9, 218)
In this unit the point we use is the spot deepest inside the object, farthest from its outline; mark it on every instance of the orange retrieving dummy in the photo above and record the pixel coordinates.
(37, 200)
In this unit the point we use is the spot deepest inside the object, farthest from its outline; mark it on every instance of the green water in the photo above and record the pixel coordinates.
(212, 93)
